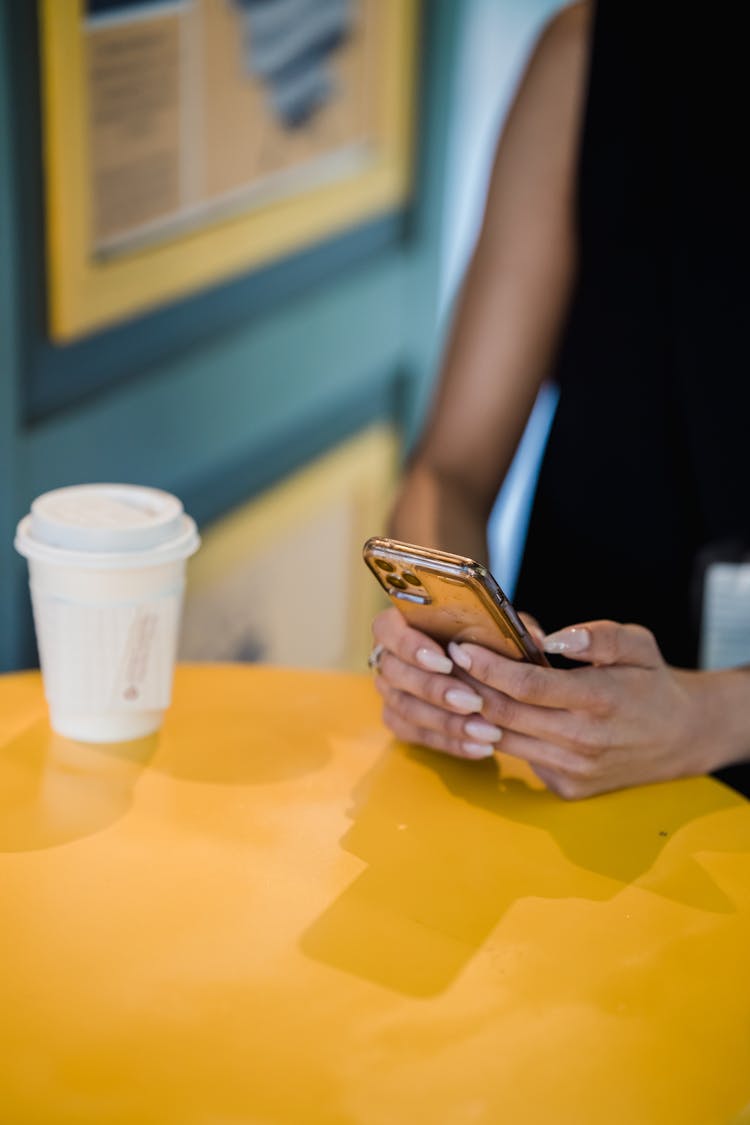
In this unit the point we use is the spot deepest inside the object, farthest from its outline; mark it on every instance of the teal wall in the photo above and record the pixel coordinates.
(220, 419)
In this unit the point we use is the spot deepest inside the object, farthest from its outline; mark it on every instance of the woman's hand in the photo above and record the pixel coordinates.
(626, 719)
(422, 700)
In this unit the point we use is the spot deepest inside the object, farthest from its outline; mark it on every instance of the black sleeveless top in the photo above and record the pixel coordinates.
(648, 460)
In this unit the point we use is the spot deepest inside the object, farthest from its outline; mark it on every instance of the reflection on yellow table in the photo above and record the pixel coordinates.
(270, 913)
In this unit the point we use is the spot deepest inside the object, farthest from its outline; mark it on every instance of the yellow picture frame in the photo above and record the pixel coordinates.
(87, 292)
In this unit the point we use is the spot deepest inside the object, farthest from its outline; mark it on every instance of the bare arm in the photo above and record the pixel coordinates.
(509, 315)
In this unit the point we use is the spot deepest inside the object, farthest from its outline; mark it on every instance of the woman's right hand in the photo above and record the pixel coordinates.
(423, 700)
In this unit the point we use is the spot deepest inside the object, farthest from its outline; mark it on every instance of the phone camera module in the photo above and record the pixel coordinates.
(410, 578)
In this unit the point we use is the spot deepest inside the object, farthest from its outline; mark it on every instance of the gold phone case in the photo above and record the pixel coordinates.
(449, 597)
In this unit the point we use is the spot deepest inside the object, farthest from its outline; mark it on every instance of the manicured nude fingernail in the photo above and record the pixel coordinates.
(433, 661)
(481, 731)
(464, 700)
(460, 656)
(568, 640)
(477, 749)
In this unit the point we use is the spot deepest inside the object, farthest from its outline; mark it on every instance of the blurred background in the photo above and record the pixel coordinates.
(232, 233)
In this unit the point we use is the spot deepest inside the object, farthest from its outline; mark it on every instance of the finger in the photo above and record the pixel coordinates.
(578, 731)
(435, 740)
(566, 787)
(443, 691)
(390, 630)
(417, 713)
(575, 788)
(567, 689)
(607, 642)
(558, 767)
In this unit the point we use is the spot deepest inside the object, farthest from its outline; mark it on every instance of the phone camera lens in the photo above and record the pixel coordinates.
(383, 564)
(410, 578)
(396, 581)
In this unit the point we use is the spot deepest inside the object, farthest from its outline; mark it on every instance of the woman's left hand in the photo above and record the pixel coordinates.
(625, 719)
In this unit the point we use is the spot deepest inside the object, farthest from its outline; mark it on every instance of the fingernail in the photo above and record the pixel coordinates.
(481, 731)
(477, 750)
(433, 661)
(460, 656)
(568, 640)
(464, 700)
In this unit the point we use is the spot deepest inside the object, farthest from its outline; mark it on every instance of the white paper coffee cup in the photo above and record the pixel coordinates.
(107, 576)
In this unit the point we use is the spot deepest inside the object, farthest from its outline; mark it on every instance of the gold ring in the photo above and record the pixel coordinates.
(373, 660)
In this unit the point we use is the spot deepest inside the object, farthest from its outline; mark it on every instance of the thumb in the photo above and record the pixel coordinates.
(606, 642)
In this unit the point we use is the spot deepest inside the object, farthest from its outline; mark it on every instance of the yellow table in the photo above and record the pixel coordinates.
(270, 913)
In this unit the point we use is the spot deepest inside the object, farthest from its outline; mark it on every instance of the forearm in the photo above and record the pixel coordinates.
(436, 510)
(724, 701)
(512, 306)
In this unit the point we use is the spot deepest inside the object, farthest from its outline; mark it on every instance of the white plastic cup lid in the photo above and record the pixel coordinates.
(107, 525)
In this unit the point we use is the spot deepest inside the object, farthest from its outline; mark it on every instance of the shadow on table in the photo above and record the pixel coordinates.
(54, 790)
(440, 877)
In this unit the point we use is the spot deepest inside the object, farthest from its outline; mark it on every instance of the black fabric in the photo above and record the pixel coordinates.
(648, 459)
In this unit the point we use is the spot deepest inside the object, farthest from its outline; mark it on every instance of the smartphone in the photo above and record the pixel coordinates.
(450, 598)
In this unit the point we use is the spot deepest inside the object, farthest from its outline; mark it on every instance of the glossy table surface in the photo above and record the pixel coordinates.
(272, 913)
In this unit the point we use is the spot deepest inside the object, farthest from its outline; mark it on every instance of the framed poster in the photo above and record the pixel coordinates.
(190, 141)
